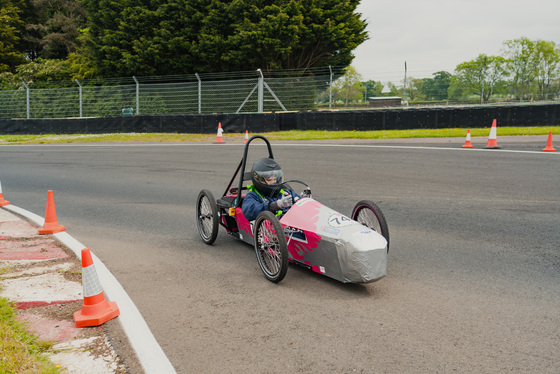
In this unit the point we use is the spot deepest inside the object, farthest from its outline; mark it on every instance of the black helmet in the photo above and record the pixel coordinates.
(266, 169)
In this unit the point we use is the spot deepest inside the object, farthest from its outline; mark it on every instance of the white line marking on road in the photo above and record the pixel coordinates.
(287, 145)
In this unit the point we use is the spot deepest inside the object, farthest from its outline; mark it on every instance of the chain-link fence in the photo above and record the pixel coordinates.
(241, 92)
(235, 92)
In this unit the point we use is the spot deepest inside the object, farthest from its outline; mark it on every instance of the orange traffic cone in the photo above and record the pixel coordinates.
(548, 148)
(246, 136)
(219, 138)
(2, 201)
(51, 225)
(96, 309)
(492, 139)
(468, 141)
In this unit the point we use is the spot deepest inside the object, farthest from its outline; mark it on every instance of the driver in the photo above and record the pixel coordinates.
(265, 192)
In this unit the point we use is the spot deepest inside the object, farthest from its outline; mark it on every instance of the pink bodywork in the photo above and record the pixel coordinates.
(302, 216)
(328, 242)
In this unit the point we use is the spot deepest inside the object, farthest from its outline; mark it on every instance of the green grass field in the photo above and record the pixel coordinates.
(282, 135)
(21, 351)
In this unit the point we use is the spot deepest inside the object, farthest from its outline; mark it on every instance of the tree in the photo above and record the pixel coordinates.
(522, 63)
(10, 29)
(44, 70)
(372, 89)
(348, 87)
(31, 30)
(548, 67)
(436, 88)
(414, 89)
(393, 90)
(54, 31)
(141, 37)
(480, 76)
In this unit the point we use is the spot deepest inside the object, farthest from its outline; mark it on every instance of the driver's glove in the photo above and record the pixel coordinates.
(285, 202)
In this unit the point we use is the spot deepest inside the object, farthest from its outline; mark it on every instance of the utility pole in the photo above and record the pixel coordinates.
(482, 90)
(404, 87)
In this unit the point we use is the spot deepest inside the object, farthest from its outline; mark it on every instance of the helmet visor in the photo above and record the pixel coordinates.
(269, 177)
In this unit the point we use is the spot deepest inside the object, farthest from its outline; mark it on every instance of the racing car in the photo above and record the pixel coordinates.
(349, 249)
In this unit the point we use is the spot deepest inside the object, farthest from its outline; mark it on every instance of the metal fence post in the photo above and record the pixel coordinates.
(199, 93)
(137, 95)
(330, 89)
(27, 102)
(260, 92)
(81, 102)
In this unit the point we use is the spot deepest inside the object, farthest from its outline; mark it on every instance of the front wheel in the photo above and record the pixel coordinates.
(207, 216)
(271, 246)
(369, 214)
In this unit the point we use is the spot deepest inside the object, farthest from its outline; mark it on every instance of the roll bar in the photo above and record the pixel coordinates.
(242, 165)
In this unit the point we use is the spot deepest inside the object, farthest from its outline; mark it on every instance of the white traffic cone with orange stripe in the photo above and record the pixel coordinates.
(548, 148)
(96, 309)
(2, 201)
(492, 138)
(219, 138)
(246, 136)
(468, 141)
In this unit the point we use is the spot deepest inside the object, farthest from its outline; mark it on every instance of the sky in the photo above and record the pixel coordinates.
(436, 35)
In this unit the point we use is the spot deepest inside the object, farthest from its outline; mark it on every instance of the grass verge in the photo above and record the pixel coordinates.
(21, 352)
(293, 135)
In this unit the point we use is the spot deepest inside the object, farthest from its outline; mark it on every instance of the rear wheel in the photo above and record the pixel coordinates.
(271, 246)
(369, 214)
(207, 216)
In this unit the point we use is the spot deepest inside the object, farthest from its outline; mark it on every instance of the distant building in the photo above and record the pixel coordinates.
(384, 101)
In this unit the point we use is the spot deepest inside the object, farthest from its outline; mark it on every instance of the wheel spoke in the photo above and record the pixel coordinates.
(369, 214)
(269, 248)
(207, 216)
(367, 218)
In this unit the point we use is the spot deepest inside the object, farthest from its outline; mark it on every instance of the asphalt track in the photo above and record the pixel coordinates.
(473, 274)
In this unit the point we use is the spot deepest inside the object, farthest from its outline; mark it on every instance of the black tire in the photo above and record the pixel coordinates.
(271, 246)
(207, 216)
(369, 214)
